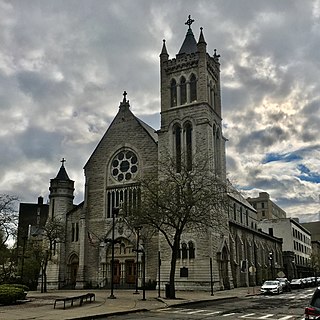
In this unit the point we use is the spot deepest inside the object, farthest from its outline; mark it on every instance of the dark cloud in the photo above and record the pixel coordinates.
(264, 138)
(65, 64)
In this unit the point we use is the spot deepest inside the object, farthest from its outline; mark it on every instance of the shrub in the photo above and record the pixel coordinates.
(10, 294)
(17, 285)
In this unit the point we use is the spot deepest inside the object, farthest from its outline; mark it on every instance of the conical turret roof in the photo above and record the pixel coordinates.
(62, 174)
(189, 44)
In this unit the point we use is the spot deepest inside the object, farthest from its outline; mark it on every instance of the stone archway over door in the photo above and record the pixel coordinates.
(73, 267)
(224, 269)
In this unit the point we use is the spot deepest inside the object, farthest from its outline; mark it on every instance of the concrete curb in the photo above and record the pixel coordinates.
(104, 315)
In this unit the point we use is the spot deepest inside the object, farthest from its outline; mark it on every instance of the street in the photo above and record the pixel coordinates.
(286, 306)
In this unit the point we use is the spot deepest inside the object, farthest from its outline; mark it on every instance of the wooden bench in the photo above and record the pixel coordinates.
(81, 298)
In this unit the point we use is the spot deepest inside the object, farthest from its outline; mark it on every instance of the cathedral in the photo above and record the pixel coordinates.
(235, 254)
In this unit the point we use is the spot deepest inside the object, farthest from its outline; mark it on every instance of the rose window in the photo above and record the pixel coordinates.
(124, 166)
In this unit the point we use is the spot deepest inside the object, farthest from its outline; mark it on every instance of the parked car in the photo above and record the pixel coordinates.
(312, 312)
(296, 284)
(286, 287)
(271, 286)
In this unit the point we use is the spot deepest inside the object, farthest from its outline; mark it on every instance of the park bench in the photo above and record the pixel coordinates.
(81, 298)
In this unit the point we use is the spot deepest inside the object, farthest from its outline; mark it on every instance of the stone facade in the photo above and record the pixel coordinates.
(191, 125)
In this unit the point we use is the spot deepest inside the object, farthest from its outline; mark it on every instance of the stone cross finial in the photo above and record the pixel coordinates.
(189, 21)
(124, 96)
(63, 160)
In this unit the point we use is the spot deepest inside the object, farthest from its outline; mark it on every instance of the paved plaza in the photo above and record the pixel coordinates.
(40, 305)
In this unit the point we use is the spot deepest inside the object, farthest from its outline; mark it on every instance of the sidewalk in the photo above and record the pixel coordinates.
(40, 305)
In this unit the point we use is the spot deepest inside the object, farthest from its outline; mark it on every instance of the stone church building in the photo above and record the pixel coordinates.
(235, 254)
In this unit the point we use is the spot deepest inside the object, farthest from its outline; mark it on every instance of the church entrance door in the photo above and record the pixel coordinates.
(116, 272)
(224, 269)
(130, 271)
(73, 270)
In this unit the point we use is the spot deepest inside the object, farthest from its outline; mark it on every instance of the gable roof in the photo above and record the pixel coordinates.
(124, 111)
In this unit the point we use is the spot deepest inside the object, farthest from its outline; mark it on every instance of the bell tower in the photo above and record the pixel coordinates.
(191, 104)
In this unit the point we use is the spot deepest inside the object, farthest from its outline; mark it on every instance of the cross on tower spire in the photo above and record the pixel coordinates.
(124, 96)
(63, 160)
(189, 21)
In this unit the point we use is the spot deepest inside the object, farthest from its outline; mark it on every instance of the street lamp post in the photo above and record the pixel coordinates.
(114, 212)
(143, 260)
(271, 263)
(144, 276)
(137, 259)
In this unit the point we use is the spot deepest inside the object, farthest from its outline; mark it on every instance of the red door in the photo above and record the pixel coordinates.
(116, 272)
(130, 271)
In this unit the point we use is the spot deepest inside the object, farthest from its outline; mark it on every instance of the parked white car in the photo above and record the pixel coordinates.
(271, 286)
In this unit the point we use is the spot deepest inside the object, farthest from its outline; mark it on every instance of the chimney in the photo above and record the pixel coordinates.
(40, 200)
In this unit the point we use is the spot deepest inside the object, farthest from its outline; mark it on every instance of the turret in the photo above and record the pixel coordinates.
(61, 193)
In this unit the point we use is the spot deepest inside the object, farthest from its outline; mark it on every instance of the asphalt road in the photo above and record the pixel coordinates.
(286, 306)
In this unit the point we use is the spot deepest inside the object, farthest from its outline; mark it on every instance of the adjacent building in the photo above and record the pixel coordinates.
(296, 244)
(266, 209)
(30, 214)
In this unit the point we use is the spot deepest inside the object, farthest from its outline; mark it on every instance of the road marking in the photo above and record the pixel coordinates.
(195, 311)
(267, 316)
(212, 313)
(285, 318)
(247, 315)
(180, 310)
(228, 314)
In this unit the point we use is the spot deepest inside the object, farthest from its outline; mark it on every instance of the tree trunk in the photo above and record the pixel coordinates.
(45, 275)
(42, 288)
(174, 254)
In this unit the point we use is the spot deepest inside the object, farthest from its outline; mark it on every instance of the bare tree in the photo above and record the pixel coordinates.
(175, 202)
(45, 243)
(8, 217)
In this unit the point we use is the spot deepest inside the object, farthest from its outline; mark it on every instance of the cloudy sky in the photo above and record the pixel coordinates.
(65, 64)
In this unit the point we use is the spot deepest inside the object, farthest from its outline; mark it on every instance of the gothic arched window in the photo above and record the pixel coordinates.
(217, 152)
(184, 251)
(191, 250)
(214, 104)
(193, 88)
(188, 131)
(173, 92)
(214, 142)
(183, 90)
(177, 141)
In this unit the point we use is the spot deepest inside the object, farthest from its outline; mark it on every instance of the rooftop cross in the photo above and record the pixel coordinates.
(124, 96)
(63, 161)
(189, 21)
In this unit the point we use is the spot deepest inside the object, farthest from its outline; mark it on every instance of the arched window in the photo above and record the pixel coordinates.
(214, 147)
(184, 251)
(183, 90)
(188, 132)
(193, 88)
(173, 92)
(191, 250)
(213, 96)
(217, 152)
(177, 140)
